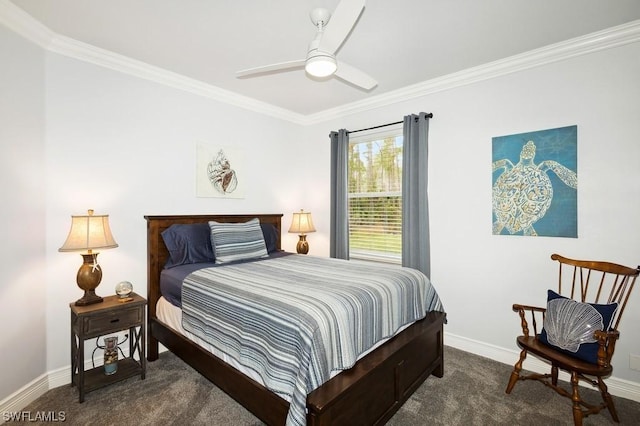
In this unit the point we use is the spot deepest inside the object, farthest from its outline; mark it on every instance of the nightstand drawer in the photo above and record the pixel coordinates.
(107, 321)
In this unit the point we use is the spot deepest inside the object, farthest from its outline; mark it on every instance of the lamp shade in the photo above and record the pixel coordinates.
(89, 232)
(302, 223)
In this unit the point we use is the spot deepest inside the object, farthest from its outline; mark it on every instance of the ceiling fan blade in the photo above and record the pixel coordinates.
(355, 76)
(342, 21)
(270, 69)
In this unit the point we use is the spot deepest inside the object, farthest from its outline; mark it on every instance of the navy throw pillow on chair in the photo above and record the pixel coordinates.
(569, 325)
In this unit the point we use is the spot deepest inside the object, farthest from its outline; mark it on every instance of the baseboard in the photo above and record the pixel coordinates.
(24, 396)
(38, 387)
(618, 387)
(62, 376)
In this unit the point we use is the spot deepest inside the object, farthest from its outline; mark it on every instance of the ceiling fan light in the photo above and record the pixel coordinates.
(321, 65)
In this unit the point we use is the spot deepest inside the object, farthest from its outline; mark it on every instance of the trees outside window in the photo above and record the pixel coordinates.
(375, 196)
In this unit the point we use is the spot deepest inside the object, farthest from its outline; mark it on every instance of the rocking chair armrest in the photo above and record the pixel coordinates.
(609, 335)
(522, 311)
(517, 307)
(606, 345)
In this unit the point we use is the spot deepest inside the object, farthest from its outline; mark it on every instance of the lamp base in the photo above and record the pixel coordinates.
(90, 297)
(303, 245)
(88, 279)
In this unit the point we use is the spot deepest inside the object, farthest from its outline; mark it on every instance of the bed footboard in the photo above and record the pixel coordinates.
(377, 386)
(369, 393)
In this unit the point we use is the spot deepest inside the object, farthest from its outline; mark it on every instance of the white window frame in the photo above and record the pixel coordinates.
(363, 137)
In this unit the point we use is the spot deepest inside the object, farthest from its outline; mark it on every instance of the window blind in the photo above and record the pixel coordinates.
(375, 196)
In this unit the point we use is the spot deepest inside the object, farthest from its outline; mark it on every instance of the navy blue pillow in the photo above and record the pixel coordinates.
(569, 325)
(188, 243)
(270, 236)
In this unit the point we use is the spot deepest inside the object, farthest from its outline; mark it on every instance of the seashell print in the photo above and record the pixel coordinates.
(221, 175)
(569, 323)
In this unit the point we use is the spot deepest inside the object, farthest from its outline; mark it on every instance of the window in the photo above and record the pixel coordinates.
(375, 195)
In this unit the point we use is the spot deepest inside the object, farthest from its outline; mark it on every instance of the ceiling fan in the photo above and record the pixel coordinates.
(321, 59)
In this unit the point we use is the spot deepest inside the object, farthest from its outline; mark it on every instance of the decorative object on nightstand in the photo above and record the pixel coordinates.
(124, 289)
(105, 319)
(302, 224)
(89, 232)
(110, 355)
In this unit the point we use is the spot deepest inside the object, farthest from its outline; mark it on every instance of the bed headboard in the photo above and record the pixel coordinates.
(157, 253)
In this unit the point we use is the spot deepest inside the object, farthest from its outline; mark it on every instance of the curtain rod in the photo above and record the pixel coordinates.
(430, 115)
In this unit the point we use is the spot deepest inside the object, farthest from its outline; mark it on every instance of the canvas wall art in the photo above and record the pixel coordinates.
(219, 172)
(535, 183)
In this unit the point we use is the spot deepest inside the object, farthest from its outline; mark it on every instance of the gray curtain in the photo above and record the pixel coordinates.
(339, 225)
(415, 203)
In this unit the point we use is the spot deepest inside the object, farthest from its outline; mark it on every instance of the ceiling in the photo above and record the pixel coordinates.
(399, 43)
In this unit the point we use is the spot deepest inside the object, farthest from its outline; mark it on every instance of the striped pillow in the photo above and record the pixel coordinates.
(237, 241)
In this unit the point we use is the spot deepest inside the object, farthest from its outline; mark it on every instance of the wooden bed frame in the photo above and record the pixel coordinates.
(369, 393)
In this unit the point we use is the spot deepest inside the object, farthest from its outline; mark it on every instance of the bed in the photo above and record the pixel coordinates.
(370, 392)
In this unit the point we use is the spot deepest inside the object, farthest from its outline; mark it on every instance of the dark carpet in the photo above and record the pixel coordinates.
(470, 393)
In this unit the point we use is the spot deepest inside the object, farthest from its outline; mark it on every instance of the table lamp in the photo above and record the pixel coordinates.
(89, 232)
(302, 224)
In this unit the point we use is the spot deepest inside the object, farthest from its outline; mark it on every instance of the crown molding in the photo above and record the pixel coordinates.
(590, 43)
(85, 52)
(24, 24)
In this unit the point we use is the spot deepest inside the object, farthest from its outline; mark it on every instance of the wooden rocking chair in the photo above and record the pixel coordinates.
(588, 282)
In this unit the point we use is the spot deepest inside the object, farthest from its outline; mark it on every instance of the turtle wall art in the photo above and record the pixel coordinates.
(535, 183)
(218, 172)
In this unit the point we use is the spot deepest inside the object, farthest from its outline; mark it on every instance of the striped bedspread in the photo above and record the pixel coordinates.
(296, 319)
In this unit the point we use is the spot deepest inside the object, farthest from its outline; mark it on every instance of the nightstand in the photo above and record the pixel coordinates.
(99, 319)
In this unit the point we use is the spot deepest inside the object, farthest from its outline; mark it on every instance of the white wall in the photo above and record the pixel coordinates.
(479, 275)
(23, 177)
(126, 147)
